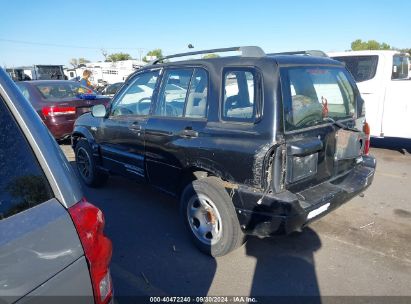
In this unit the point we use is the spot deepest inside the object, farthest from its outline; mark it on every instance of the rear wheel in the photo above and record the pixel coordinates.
(86, 165)
(210, 217)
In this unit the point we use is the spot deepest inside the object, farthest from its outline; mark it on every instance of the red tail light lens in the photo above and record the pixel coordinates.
(89, 222)
(57, 111)
(366, 130)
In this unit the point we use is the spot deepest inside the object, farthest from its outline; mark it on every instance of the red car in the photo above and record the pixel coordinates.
(60, 102)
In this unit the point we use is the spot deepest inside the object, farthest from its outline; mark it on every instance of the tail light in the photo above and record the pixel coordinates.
(366, 130)
(89, 222)
(58, 111)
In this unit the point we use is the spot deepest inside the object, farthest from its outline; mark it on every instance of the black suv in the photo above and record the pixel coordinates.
(252, 144)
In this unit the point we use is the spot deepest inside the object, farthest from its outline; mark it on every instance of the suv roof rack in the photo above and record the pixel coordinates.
(246, 51)
(315, 53)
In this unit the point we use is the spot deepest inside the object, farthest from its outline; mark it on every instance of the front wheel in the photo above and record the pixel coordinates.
(210, 217)
(86, 165)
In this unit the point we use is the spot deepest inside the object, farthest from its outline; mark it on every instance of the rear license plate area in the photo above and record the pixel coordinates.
(318, 211)
(349, 144)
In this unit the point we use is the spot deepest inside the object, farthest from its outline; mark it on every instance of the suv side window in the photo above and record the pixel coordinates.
(239, 95)
(136, 97)
(362, 68)
(196, 106)
(22, 182)
(173, 92)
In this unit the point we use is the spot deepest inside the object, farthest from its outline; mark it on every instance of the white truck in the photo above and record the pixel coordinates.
(36, 72)
(383, 78)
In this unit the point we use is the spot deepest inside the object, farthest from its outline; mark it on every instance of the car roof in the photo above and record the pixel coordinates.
(250, 61)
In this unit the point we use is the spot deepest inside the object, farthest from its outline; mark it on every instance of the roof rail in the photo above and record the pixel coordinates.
(315, 53)
(246, 51)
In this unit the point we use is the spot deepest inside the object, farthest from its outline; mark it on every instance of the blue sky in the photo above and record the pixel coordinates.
(83, 28)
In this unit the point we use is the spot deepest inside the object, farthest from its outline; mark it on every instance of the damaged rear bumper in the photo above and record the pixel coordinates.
(286, 212)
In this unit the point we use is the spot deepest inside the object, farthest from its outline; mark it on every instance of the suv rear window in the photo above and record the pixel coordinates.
(313, 94)
(22, 181)
(239, 95)
(361, 67)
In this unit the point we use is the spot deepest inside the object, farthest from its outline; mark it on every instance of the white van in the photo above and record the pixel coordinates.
(383, 80)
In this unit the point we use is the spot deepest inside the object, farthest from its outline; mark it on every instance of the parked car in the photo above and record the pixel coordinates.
(51, 239)
(60, 102)
(383, 80)
(112, 89)
(257, 144)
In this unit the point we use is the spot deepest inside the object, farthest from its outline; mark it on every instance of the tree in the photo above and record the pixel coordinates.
(158, 53)
(359, 45)
(211, 55)
(407, 51)
(118, 57)
(75, 62)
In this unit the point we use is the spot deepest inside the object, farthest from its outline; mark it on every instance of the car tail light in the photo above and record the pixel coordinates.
(89, 222)
(366, 130)
(57, 111)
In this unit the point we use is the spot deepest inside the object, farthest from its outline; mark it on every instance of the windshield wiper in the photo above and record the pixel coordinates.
(339, 124)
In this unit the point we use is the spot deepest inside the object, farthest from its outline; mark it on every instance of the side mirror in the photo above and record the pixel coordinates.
(99, 111)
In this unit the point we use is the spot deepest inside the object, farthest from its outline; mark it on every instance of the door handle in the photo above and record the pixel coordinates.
(188, 133)
(135, 127)
(304, 147)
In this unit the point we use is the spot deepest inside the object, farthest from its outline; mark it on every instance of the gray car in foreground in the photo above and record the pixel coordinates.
(52, 246)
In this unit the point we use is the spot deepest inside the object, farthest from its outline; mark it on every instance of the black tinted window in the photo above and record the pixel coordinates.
(361, 67)
(61, 90)
(22, 181)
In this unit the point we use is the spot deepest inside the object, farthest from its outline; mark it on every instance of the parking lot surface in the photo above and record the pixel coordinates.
(361, 249)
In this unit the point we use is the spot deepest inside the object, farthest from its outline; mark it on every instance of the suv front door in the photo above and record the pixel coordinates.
(121, 136)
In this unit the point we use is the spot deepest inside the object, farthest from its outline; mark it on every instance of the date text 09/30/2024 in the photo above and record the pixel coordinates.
(238, 299)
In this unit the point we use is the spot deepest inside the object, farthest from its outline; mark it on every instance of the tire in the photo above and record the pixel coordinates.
(210, 217)
(86, 165)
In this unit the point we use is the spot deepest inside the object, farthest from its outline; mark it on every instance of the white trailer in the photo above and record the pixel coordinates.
(106, 72)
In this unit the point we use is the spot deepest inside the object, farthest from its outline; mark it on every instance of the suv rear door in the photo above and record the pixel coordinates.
(178, 118)
(37, 236)
(318, 149)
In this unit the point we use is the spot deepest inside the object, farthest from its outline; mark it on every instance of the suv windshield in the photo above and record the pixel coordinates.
(361, 67)
(316, 94)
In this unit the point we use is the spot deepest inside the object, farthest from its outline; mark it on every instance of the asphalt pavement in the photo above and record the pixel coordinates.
(361, 249)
